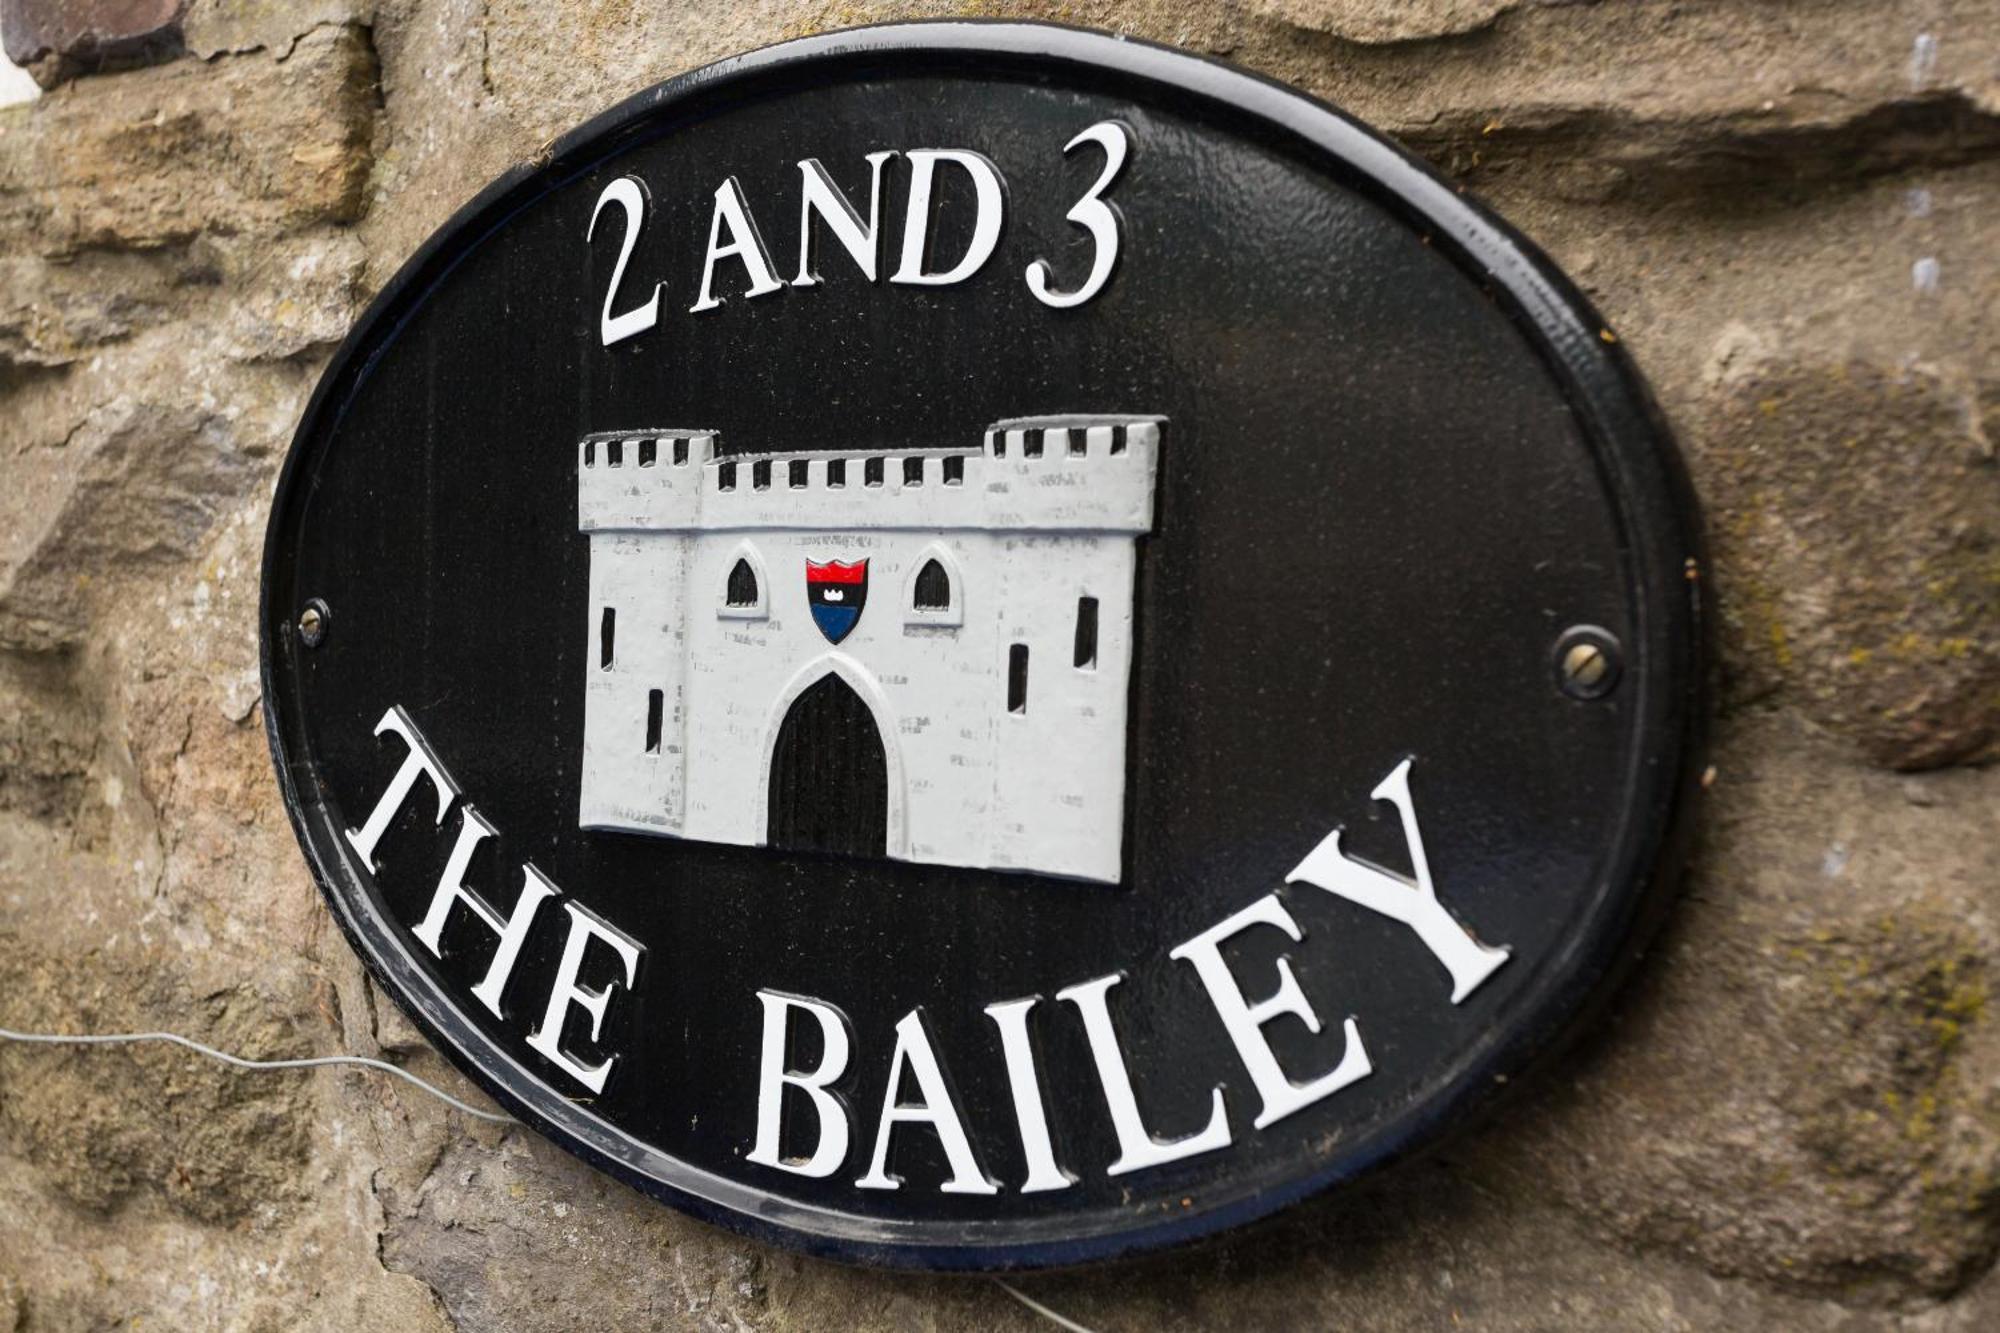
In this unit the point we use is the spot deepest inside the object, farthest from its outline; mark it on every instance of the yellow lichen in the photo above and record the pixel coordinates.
(1780, 646)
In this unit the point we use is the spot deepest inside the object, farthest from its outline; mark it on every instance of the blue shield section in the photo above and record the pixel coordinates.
(836, 622)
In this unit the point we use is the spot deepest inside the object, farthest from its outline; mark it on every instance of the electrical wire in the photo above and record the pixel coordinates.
(312, 1062)
(364, 1062)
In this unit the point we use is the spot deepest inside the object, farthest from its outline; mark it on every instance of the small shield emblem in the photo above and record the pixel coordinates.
(836, 591)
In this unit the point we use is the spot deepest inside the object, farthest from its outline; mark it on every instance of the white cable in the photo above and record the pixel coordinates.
(1040, 1309)
(321, 1061)
(315, 1062)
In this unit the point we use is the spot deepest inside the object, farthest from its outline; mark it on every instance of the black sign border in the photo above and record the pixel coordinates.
(1633, 451)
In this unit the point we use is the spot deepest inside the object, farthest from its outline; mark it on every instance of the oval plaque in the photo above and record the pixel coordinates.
(977, 645)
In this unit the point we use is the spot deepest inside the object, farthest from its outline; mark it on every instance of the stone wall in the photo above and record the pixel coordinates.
(1791, 212)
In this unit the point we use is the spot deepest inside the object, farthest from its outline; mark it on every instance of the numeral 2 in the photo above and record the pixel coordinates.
(629, 192)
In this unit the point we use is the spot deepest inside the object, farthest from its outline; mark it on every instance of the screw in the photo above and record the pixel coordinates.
(1584, 665)
(312, 623)
(1587, 665)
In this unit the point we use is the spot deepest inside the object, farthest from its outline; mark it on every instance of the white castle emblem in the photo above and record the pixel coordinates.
(916, 653)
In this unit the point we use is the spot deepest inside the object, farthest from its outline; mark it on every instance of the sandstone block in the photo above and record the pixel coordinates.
(1798, 1088)
(231, 27)
(46, 322)
(136, 485)
(59, 39)
(100, 1126)
(155, 157)
(47, 739)
(1854, 513)
(1367, 23)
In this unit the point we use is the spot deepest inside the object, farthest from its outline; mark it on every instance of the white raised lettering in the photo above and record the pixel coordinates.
(629, 193)
(1245, 1021)
(1011, 1017)
(1412, 902)
(1094, 216)
(830, 1145)
(584, 926)
(512, 929)
(917, 221)
(1137, 1147)
(913, 1051)
(419, 762)
(744, 245)
(818, 194)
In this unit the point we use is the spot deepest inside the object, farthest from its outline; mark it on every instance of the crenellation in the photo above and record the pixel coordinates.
(1030, 474)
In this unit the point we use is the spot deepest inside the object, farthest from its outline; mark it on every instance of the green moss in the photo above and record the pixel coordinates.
(1899, 992)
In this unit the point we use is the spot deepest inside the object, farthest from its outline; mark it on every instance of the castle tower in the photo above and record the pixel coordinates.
(918, 653)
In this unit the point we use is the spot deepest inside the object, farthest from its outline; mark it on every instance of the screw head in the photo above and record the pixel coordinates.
(1588, 662)
(1584, 663)
(313, 622)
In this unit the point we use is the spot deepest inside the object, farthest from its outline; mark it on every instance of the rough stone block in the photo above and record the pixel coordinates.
(1369, 23)
(1855, 519)
(56, 40)
(47, 737)
(156, 157)
(1799, 1090)
(52, 315)
(136, 485)
(102, 1125)
(236, 27)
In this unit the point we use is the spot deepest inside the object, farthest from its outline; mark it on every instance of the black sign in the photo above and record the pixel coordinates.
(976, 645)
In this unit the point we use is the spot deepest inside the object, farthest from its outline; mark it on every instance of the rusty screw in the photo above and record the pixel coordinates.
(312, 623)
(1587, 662)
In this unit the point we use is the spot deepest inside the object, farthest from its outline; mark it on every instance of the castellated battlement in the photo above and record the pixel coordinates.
(1028, 474)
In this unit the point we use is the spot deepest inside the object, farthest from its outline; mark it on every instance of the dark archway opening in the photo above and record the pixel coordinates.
(829, 775)
(742, 590)
(933, 591)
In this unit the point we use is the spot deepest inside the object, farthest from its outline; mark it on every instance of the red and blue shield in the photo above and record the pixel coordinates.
(836, 591)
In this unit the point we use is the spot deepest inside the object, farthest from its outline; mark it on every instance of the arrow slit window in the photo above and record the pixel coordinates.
(1086, 633)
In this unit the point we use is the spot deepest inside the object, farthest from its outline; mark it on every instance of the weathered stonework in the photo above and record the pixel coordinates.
(60, 39)
(111, 166)
(1790, 1119)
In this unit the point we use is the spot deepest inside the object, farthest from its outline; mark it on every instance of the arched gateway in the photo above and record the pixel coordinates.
(829, 775)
